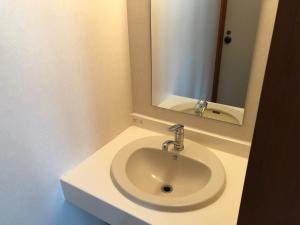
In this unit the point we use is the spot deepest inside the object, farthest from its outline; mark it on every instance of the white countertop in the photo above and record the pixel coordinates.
(101, 198)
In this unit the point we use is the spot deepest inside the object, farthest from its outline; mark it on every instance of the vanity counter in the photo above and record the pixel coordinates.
(89, 187)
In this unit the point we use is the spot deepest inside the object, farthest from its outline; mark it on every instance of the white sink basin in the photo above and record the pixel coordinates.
(215, 111)
(165, 181)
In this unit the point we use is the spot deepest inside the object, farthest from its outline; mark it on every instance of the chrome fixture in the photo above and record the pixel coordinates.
(178, 129)
(201, 106)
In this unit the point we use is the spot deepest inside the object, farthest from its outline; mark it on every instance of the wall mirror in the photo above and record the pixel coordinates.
(202, 54)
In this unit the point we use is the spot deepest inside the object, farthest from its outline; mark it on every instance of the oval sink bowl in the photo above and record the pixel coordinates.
(167, 181)
(215, 111)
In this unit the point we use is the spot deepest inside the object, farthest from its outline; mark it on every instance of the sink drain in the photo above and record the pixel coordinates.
(167, 188)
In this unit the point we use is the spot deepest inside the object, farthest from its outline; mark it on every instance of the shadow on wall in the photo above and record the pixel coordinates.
(69, 214)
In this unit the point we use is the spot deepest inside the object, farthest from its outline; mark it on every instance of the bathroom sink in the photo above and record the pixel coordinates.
(215, 114)
(215, 111)
(168, 181)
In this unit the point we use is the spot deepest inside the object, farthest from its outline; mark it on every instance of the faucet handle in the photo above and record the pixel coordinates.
(176, 128)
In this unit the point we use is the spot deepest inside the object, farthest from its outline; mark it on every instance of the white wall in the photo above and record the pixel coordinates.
(140, 53)
(184, 37)
(64, 92)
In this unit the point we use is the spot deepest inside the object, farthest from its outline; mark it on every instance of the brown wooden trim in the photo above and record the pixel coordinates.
(272, 187)
(218, 58)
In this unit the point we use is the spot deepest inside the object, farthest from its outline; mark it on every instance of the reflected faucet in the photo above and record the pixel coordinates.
(201, 106)
(178, 129)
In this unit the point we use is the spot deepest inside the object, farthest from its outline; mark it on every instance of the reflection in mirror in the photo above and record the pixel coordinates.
(202, 55)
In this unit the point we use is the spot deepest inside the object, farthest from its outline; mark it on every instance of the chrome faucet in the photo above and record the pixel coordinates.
(201, 106)
(178, 129)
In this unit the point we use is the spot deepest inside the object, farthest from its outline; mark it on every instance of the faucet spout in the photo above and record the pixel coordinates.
(201, 106)
(178, 130)
(166, 144)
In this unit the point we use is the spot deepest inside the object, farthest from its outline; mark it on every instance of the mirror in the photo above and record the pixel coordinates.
(202, 56)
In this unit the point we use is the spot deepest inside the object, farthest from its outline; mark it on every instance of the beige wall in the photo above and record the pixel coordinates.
(140, 52)
(65, 91)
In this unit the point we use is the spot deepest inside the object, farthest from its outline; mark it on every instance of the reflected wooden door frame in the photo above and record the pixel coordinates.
(222, 21)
